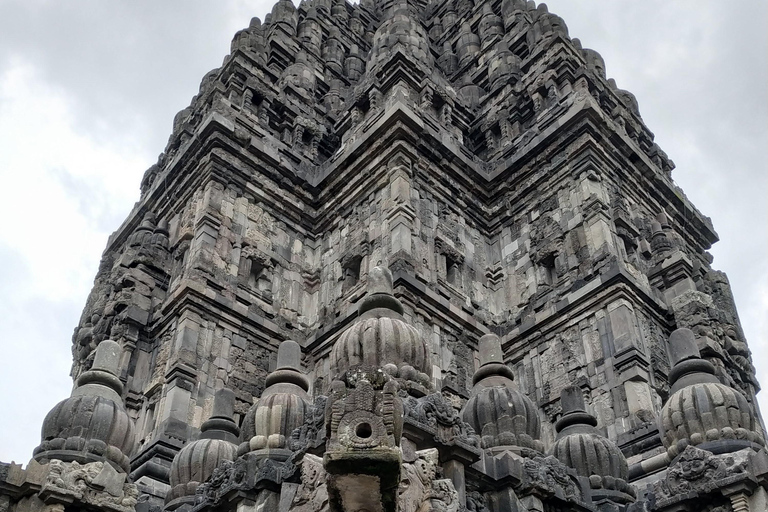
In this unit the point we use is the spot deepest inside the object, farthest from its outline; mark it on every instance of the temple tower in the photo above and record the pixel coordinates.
(475, 248)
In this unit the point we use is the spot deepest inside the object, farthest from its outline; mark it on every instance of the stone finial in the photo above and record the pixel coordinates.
(221, 425)
(400, 28)
(492, 361)
(283, 406)
(688, 367)
(580, 446)
(448, 60)
(380, 292)
(489, 347)
(92, 424)
(663, 219)
(160, 235)
(284, 14)
(102, 380)
(574, 411)
(490, 24)
(148, 222)
(509, 7)
(380, 281)
(572, 400)
(107, 357)
(594, 60)
(660, 243)
(682, 346)
(339, 11)
(701, 411)
(354, 66)
(143, 231)
(289, 355)
(162, 227)
(501, 414)
(468, 44)
(197, 461)
(223, 403)
(288, 366)
(382, 339)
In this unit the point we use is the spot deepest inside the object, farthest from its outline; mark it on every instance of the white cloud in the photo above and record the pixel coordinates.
(64, 189)
(63, 193)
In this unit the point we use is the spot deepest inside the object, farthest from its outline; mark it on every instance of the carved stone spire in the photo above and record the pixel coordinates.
(581, 446)
(503, 416)
(284, 15)
(401, 29)
(91, 425)
(448, 61)
(468, 44)
(701, 411)
(283, 407)
(143, 233)
(490, 25)
(354, 65)
(195, 463)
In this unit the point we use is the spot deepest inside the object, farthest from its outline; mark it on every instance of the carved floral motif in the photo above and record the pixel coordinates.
(548, 476)
(701, 471)
(437, 414)
(96, 484)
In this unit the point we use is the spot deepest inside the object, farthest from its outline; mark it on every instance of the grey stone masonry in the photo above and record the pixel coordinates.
(513, 190)
(471, 254)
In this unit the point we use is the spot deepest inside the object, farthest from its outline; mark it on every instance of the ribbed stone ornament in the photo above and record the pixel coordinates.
(381, 338)
(580, 446)
(497, 411)
(197, 460)
(401, 28)
(92, 425)
(283, 407)
(701, 411)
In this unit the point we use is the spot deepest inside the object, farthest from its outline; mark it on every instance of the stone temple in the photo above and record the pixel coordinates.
(406, 256)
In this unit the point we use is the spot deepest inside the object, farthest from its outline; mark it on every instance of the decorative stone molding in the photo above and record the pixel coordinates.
(94, 484)
(421, 490)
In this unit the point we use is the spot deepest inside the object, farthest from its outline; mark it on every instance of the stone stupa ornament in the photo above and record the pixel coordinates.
(196, 462)
(580, 446)
(283, 407)
(503, 416)
(381, 340)
(701, 411)
(92, 424)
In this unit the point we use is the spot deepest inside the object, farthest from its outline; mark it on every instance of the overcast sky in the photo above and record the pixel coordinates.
(89, 88)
